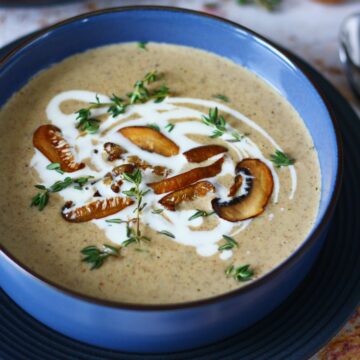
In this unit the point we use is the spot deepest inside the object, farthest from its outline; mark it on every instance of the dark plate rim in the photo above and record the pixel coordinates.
(234, 293)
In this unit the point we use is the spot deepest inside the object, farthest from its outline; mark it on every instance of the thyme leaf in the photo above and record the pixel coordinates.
(200, 213)
(241, 273)
(229, 244)
(281, 159)
(142, 45)
(96, 257)
(167, 233)
(56, 167)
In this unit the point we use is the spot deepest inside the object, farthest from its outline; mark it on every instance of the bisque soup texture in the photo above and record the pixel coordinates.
(177, 259)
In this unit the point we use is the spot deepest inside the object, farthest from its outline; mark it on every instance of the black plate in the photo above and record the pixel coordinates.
(296, 330)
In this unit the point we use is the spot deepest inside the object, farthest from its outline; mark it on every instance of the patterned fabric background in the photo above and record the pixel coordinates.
(306, 27)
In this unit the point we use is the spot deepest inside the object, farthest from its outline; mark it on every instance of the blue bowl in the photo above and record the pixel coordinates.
(168, 328)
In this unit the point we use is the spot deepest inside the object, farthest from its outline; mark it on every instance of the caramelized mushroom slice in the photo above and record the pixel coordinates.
(125, 168)
(187, 178)
(202, 153)
(254, 202)
(95, 210)
(236, 185)
(114, 151)
(141, 164)
(150, 140)
(50, 142)
(187, 193)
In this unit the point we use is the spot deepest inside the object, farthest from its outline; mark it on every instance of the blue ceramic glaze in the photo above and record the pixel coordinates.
(172, 327)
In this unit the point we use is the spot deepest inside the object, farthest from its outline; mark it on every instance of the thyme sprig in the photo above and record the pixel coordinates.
(241, 273)
(200, 213)
(96, 257)
(117, 105)
(230, 243)
(281, 159)
(134, 234)
(218, 122)
(41, 199)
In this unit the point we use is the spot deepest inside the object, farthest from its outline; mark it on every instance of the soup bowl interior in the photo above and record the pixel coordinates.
(223, 38)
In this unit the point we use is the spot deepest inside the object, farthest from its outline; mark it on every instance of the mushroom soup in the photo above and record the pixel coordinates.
(154, 174)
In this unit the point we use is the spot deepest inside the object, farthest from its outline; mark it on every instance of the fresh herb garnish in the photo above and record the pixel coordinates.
(281, 159)
(167, 233)
(236, 137)
(170, 127)
(267, 4)
(200, 213)
(134, 234)
(118, 105)
(115, 221)
(85, 122)
(219, 124)
(142, 45)
(56, 167)
(154, 126)
(81, 181)
(241, 273)
(160, 94)
(157, 211)
(41, 199)
(221, 97)
(96, 257)
(230, 243)
(61, 184)
(216, 121)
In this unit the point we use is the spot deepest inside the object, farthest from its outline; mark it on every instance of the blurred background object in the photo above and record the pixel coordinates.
(309, 28)
(350, 50)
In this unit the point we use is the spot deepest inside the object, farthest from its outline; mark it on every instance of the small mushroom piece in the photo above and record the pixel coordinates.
(141, 164)
(187, 193)
(202, 153)
(150, 140)
(115, 187)
(49, 141)
(114, 151)
(236, 185)
(125, 168)
(187, 178)
(95, 210)
(254, 202)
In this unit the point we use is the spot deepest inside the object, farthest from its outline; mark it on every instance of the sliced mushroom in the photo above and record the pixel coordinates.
(114, 151)
(254, 202)
(150, 140)
(236, 185)
(187, 193)
(202, 153)
(50, 142)
(187, 178)
(141, 164)
(95, 210)
(125, 168)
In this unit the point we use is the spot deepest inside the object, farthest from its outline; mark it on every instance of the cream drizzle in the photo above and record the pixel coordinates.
(205, 242)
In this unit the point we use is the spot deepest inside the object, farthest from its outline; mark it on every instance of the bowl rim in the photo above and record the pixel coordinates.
(307, 243)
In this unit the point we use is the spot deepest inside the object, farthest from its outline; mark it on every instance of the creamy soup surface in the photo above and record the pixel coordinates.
(181, 259)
